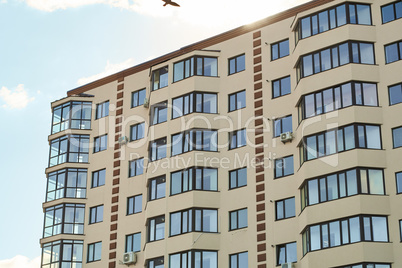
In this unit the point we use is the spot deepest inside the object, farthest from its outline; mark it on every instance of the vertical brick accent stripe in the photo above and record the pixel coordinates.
(259, 154)
(116, 175)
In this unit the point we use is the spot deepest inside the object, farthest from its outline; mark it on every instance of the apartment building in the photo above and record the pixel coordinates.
(276, 144)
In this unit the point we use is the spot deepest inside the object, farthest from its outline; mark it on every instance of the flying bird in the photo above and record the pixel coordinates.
(170, 2)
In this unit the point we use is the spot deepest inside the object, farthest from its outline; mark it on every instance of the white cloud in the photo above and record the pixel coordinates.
(20, 262)
(110, 68)
(15, 99)
(3, 1)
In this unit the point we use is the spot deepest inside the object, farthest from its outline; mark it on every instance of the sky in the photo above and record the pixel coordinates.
(48, 47)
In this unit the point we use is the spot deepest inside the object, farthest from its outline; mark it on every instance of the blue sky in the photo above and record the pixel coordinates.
(48, 47)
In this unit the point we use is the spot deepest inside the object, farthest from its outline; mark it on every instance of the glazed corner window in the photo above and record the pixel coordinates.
(70, 148)
(284, 167)
(237, 178)
(156, 263)
(156, 228)
(367, 265)
(157, 188)
(285, 208)
(194, 258)
(71, 115)
(102, 109)
(194, 140)
(157, 149)
(286, 253)
(159, 113)
(280, 49)
(133, 242)
(66, 183)
(282, 125)
(197, 65)
(54, 256)
(391, 11)
(397, 137)
(238, 219)
(395, 94)
(194, 178)
(100, 143)
(98, 178)
(137, 131)
(136, 167)
(281, 87)
(237, 64)
(237, 138)
(195, 102)
(94, 252)
(239, 260)
(160, 78)
(96, 214)
(138, 98)
(393, 52)
(64, 219)
(134, 204)
(237, 100)
(194, 220)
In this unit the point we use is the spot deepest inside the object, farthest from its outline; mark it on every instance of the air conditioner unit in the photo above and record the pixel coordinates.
(146, 103)
(129, 258)
(288, 265)
(123, 140)
(286, 136)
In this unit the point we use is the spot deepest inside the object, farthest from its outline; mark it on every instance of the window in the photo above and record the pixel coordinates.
(195, 102)
(156, 263)
(94, 252)
(194, 220)
(338, 97)
(342, 184)
(280, 49)
(342, 139)
(64, 219)
(237, 139)
(239, 260)
(238, 219)
(286, 253)
(157, 188)
(138, 98)
(400, 230)
(367, 265)
(197, 65)
(393, 52)
(102, 109)
(160, 78)
(70, 148)
(397, 137)
(398, 182)
(345, 231)
(237, 64)
(285, 208)
(66, 183)
(156, 228)
(395, 94)
(157, 149)
(281, 87)
(133, 242)
(237, 100)
(391, 11)
(329, 19)
(238, 178)
(194, 178)
(335, 56)
(159, 113)
(134, 204)
(136, 167)
(100, 143)
(284, 166)
(194, 139)
(194, 258)
(98, 178)
(137, 131)
(62, 253)
(96, 214)
(282, 125)
(71, 115)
